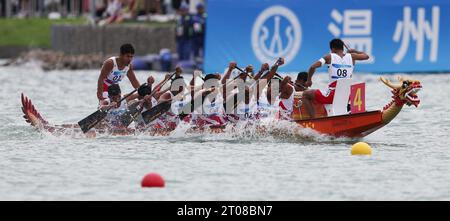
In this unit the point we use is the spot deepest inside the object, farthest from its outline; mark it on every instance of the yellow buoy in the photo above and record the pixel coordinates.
(361, 148)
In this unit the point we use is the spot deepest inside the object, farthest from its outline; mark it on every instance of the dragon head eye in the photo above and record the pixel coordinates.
(405, 84)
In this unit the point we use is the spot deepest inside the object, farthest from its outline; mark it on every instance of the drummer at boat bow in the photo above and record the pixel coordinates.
(340, 65)
(114, 69)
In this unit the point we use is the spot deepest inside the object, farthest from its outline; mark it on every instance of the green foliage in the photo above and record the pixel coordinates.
(34, 32)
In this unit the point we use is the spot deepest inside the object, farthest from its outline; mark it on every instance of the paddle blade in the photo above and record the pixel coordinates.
(133, 111)
(90, 121)
(156, 111)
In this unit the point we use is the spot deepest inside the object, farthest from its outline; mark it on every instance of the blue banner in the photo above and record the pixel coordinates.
(399, 35)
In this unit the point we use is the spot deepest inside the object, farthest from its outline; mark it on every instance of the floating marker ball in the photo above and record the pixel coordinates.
(361, 148)
(152, 180)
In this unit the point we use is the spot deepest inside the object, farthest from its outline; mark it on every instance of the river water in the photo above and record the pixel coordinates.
(410, 160)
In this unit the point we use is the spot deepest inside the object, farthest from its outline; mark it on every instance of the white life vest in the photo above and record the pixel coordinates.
(340, 67)
(116, 75)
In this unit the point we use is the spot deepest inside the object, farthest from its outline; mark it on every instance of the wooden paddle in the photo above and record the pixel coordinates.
(90, 121)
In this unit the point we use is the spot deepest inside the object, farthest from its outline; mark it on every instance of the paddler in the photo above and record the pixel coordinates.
(116, 109)
(340, 65)
(291, 94)
(169, 120)
(248, 109)
(211, 112)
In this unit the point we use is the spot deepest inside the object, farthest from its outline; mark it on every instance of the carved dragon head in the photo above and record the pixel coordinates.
(405, 91)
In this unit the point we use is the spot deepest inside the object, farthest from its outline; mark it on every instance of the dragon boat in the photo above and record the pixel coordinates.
(339, 119)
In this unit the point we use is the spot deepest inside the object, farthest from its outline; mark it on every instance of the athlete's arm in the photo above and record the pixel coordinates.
(273, 70)
(132, 77)
(324, 60)
(358, 55)
(105, 105)
(131, 97)
(150, 81)
(164, 97)
(264, 67)
(160, 84)
(192, 83)
(269, 95)
(231, 67)
(106, 69)
(286, 90)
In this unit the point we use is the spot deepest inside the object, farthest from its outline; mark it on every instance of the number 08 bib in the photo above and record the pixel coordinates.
(340, 67)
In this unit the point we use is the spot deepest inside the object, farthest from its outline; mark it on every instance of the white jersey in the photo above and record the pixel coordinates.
(287, 104)
(247, 110)
(116, 75)
(213, 112)
(178, 102)
(213, 105)
(264, 108)
(340, 67)
(113, 116)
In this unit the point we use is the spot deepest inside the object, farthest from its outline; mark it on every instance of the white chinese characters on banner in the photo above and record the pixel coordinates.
(423, 29)
(356, 29)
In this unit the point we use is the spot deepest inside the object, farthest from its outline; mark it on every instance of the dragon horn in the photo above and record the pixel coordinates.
(401, 79)
(389, 83)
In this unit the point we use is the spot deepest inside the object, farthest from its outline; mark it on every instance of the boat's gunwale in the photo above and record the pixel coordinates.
(337, 116)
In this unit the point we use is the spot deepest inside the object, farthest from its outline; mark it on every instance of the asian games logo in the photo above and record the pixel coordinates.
(276, 33)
